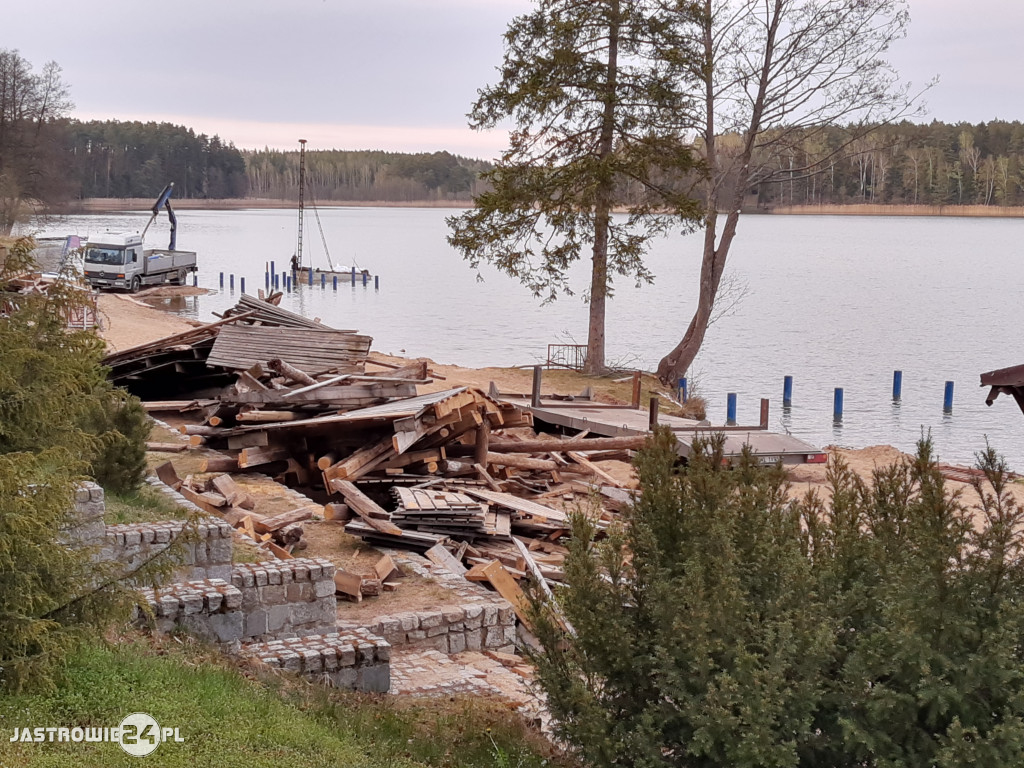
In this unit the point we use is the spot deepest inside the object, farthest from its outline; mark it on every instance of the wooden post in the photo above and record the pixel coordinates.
(538, 373)
(764, 413)
(654, 412)
(483, 438)
(636, 389)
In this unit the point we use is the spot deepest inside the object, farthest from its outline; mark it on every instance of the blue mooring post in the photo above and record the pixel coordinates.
(266, 280)
(787, 391)
(276, 282)
(353, 275)
(242, 281)
(365, 278)
(897, 385)
(323, 280)
(310, 277)
(231, 281)
(289, 282)
(273, 268)
(730, 409)
(221, 279)
(682, 390)
(195, 279)
(837, 404)
(947, 400)
(335, 282)
(376, 282)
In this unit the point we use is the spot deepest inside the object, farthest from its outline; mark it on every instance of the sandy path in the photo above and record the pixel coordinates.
(127, 322)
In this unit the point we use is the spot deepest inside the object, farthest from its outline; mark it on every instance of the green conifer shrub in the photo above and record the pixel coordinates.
(725, 626)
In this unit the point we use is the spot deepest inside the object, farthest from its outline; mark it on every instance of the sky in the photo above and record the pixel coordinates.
(397, 74)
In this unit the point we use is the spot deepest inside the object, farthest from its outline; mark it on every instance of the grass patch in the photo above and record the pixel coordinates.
(145, 505)
(231, 719)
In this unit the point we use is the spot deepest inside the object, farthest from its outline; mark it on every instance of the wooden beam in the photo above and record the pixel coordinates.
(519, 462)
(360, 462)
(372, 514)
(439, 555)
(584, 462)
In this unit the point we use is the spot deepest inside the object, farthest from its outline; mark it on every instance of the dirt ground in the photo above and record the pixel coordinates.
(127, 322)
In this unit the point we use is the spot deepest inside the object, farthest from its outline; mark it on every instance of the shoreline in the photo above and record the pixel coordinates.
(118, 204)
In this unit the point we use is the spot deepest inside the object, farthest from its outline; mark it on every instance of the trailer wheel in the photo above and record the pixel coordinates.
(182, 276)
(136, 284)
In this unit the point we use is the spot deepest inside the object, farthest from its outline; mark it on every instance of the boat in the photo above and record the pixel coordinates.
(308, 273)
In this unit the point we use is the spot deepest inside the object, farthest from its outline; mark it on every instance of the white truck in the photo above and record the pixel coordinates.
(114, 260)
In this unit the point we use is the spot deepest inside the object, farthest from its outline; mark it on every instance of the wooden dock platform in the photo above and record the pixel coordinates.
(621, 420)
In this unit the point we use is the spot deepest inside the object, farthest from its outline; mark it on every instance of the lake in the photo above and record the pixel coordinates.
(833, 301)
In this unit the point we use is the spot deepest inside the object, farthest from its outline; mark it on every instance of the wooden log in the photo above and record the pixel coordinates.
(263, 417)
(371, 587)
(219, 464)
(288, 535)
(167, 447)
(291, 372)
(229, 489)
(327, 460)
(486, 477)
(519, 462)
(336, 511)
(481, 447)
(371, 513)
(201, 429)
(195, 441)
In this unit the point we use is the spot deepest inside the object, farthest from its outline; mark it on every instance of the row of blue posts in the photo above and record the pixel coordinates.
(288, 281)
(837, 397)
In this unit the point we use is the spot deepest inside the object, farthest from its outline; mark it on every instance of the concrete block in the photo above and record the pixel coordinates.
(456, 642)
(278, 616)
(374, 679)
(227, 626)
(345, 678)
(474, 639)
(453, 615)
(274, 594)
(435, 631)
(495, 637)
(430, 620)
(490, 615)
(474, 616)
(256, 624)
(416, 634)
(320, 589)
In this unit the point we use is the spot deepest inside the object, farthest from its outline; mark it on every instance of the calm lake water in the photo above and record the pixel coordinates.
(832, 301)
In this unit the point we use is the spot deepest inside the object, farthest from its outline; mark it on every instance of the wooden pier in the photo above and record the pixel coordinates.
(623, 420)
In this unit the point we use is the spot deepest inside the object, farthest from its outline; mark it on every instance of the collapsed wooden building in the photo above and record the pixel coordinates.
(456, 474)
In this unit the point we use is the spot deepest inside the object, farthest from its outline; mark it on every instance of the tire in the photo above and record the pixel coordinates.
(136, 284)
(182, 276)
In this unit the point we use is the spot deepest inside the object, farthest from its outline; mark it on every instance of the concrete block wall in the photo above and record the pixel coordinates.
(286, 598)
(210, 609)
(85, 526)
(204, 551)
(353, 660)
(453, 629)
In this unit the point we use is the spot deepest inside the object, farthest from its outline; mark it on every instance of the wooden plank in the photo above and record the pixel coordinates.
(371, 513)
(486, 477)
(538, 578)
(360, 462)
(253, 457)
(279, 552)
(257, 417)
(347, 583)
(584, 462)
(384, 567)
(439, 555)
(630, 442)
(506, 586)
(167, 475)
(476, 573)
(525, 506)
(271, 524)
(249, 440)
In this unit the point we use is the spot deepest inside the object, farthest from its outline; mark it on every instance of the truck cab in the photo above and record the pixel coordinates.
(119, 261)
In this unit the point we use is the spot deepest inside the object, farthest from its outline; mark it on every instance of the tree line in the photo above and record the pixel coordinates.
(906, 163)
(364, 175)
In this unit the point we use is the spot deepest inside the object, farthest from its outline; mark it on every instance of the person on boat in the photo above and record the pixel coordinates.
(295, 262)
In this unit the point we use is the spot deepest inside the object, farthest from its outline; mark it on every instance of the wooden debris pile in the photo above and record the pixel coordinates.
(200, 362)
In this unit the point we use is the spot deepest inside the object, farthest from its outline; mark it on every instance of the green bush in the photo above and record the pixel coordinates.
(122, 426)
(728, 626)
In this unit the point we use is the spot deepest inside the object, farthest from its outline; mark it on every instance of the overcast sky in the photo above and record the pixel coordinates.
(396, 74)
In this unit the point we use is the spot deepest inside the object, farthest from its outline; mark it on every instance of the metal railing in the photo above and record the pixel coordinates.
(572, 356)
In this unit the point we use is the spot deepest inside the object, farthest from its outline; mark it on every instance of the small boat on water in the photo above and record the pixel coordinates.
(352, 273)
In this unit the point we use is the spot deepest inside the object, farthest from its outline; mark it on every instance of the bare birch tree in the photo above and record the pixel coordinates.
(774, 73)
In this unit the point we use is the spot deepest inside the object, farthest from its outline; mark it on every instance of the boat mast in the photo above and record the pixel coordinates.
(302, 189)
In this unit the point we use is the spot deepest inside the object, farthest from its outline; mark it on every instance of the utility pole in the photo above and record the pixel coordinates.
(302, 189)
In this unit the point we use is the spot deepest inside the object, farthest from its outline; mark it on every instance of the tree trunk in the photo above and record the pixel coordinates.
(602, 210)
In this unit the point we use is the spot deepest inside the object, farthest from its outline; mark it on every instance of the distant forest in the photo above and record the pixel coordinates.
(930, 164)
(913, 164)
(364, 175)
